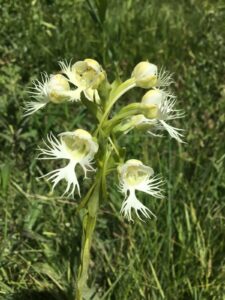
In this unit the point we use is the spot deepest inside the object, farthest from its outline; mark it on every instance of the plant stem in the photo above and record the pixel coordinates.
(89, 222)
(122, 89)
(89, 219)
(88, 229)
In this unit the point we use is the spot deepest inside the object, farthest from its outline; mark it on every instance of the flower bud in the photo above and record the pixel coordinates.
(150, 111)
(145, 75)
(155, 97)
(56, 88)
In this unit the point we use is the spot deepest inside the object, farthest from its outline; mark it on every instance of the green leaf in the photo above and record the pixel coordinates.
(102, 8)
(5, 174)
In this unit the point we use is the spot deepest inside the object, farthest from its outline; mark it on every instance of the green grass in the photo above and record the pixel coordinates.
(180, 255)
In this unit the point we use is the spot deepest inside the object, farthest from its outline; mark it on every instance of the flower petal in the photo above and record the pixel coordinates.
(173, 131)
(133, 202)
(55, 149)
(32, 106)
(152, 186)
(67, 173)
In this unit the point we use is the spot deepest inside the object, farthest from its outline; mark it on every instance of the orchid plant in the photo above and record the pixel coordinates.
(98, 152)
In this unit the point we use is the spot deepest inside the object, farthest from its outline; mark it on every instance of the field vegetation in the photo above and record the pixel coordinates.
(178, 256)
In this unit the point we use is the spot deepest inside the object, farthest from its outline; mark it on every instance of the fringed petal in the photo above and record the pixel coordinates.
(55, 149)
(165, 78)
(152, 186)
(68, 173)
(67, 70)
(173, 131)
(32, 106)
(132, 202)
(73, 95)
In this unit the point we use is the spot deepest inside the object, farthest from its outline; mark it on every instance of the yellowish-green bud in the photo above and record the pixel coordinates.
(56, 88)
(150, 111)
(155, 97)
(145, 75)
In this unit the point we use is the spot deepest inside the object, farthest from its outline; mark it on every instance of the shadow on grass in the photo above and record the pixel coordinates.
(38, 295)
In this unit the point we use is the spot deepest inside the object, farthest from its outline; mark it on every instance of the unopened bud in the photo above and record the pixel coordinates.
(145, 75)
(150, 111)
(155, 97)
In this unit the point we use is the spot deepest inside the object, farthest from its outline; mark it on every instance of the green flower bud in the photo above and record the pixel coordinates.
(145, 75)
(155, 97)
(150, 111)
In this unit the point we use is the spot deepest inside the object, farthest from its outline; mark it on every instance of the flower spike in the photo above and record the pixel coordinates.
(78, 147)
(134, 175)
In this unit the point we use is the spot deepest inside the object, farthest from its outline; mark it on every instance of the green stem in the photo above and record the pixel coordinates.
(115, 95)
(132, 109)
(92, 200)
(89, 222)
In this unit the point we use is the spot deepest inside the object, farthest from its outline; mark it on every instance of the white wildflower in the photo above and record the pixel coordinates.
(147, 76)
(79, 147)
(86, 75)
(53, 88)
(135, 176)
(165, 112)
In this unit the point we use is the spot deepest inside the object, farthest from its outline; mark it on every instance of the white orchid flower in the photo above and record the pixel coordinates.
(79, 147)
(146, 76)
(135, 176)
(53, 88)
(86, 75)
(165, 112)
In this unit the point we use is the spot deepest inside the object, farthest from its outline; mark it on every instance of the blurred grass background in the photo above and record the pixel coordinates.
(181, 254)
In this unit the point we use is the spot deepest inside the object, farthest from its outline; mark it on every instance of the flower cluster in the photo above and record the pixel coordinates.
(147, 76)
(152, 114)
(83, 76)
